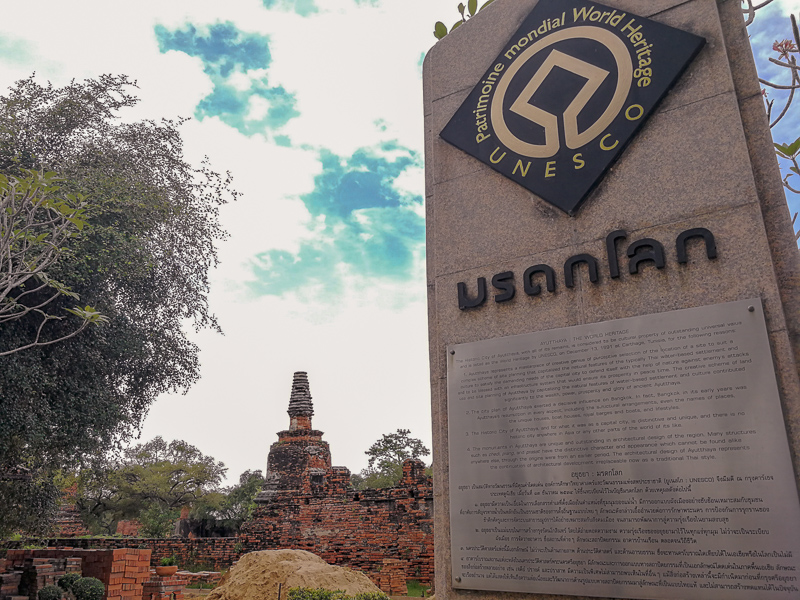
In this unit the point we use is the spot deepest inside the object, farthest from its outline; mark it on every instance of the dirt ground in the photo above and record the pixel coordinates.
(257, 576)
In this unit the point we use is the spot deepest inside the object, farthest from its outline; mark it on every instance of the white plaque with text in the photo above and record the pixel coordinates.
(639, 458)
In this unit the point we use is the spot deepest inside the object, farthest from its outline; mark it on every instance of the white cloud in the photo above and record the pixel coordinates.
(366, 349)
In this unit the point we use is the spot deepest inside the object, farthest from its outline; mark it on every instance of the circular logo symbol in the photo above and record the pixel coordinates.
(594, 77)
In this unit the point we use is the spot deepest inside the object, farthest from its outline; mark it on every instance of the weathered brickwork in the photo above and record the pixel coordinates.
(307, 504)
(122, 571)
(209, 553)
(68, 520)
(129, 528)
(209, 577)
(357, 528)
(392, 577)
(164, 588)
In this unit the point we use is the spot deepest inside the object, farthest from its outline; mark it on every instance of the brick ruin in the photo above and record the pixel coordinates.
(68, 519)
(308, 504)
(124, 572)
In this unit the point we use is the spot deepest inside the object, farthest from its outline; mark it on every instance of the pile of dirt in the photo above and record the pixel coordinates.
(257, 574)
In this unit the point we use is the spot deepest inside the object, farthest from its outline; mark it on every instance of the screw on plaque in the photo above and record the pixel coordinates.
(751, 308)
(458, 579)
(452, 352)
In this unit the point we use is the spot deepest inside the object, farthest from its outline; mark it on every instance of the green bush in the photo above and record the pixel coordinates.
(169, 561)
(88, 588)
(65, 582)
(50, 592)
(299, 593)
(322, 594)
(371, 596)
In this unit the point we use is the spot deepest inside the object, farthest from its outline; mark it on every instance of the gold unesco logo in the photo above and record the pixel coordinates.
(593, 75)
(567, 93)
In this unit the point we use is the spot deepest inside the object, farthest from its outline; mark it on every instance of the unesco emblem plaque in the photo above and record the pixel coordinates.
(571, 88)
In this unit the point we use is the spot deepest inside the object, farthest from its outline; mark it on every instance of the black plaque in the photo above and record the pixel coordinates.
(568, 92)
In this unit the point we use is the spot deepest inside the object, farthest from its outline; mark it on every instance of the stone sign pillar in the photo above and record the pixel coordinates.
(614, 307)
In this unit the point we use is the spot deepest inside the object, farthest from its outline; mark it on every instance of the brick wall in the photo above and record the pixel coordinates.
(122, 571)
(164, 588)
(212, 554)
(68, 520)
(392, 577)
(357, 528)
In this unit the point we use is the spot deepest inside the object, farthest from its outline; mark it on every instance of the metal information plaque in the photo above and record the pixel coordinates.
(638, 458)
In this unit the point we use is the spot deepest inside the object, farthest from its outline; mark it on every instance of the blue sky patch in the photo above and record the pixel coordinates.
(303, 8)
(250, 104)
(772, 25)
(16, 51)
(362, 224)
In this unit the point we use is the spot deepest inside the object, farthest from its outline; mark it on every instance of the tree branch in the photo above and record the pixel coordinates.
(36, 342)
(778, 87)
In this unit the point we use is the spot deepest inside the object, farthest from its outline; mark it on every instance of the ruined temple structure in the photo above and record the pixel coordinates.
(308, 504)
(68, 521)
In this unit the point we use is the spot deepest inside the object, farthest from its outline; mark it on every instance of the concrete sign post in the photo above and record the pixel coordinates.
(614, 307)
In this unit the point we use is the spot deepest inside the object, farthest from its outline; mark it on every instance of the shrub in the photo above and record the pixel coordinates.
(88, 588)
(300, 593)
(322, 594)
(50, 592)
(169, 561)
(65, 582)
(371, 596)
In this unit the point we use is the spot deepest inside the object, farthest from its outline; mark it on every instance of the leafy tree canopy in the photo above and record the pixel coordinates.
(141, 259)
(386, 456)
(34, 225)
(223, 512)
(150, 482)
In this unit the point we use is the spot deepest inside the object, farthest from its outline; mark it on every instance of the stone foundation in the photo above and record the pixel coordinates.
(355, 528)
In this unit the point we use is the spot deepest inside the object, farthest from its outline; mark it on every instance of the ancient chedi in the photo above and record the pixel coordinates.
(300, 461)
(307, 504)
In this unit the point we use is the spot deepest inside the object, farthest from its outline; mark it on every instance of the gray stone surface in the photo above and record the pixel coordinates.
(710, 74)
(704, 159)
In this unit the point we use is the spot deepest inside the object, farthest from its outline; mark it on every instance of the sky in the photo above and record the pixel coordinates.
(315, 107)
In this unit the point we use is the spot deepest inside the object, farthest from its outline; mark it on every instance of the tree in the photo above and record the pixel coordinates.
(150, 483)
(386, 456)
(224, 512)
(34, 228)
(141, 260)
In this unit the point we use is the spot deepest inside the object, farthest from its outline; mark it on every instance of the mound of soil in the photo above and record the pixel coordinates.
(257, 574)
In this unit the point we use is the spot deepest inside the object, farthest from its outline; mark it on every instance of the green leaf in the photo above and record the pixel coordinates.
(794, 148)
(485, 4)
(439, 30)
(788, 150)
(461, 9)
(456, 25)
(472, 7)
(795, 170)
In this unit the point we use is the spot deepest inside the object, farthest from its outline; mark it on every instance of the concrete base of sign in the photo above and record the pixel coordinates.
(704, 160)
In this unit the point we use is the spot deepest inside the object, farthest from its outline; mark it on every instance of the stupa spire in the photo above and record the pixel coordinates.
(301, 409)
